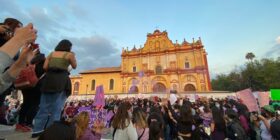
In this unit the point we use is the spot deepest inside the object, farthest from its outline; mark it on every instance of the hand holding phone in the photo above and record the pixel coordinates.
(34, 46)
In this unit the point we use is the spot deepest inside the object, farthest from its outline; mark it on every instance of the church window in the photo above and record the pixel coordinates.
(134, 69)
(187, 65)
(158, 69)
(111, 84)
(76, 87)
(93, 85)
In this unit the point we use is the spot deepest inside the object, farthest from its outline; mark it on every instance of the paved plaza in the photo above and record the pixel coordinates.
(9, 133)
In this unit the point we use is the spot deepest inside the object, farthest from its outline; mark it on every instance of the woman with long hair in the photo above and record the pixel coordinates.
(156, 126)
(82, 127)
(183, 121)
(139, 119)
(123, 128)
(56, 86)
(244, 116)
(218, 125)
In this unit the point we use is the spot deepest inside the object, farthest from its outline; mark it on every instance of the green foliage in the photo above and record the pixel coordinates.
(261, 75)
(250, 56)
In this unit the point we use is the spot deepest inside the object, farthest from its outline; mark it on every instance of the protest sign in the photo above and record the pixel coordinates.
(248, 99)
(263, 98)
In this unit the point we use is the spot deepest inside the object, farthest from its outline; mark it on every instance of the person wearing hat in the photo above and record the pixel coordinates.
(266, 118)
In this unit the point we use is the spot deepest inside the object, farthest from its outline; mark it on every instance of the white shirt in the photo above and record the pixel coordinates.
(128, 133)
(265, 134)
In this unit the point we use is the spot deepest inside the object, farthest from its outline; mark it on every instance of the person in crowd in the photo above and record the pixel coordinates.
(234, 130)
(8, 68)
(13, 114)
(56, 86)
(206, 115)
(199, 130)
(59, 131)
(31, 96)
(3, 113)
(266, 118)
(183, 121)
(156, 126)
(275, 130)
(254, 126)
(82, 127)
(139, 119)
(123, 128)
(8, 28)
(218, 125)
(244, 116)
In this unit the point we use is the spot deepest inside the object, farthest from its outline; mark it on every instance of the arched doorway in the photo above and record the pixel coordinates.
(159, 87)
(133, 89)
(189, 87)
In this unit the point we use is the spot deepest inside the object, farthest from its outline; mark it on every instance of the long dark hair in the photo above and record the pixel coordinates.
(12, 23)
(155, 122)
(121, 119)
(218, 119)
(64, 45)
(185, 117)
(275, 129)
(243, 110)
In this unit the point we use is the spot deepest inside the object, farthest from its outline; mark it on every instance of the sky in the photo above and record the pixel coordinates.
(99, 29)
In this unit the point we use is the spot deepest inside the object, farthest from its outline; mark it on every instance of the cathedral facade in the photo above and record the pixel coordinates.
(159, 66)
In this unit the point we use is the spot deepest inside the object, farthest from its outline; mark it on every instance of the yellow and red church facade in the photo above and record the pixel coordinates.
(158, 66)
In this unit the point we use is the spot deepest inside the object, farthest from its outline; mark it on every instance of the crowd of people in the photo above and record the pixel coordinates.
(46, 113)
(157, 119)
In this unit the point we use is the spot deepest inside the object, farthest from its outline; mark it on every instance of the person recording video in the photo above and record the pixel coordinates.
(20, 40)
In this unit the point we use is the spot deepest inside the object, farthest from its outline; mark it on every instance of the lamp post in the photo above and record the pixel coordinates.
(86, 91)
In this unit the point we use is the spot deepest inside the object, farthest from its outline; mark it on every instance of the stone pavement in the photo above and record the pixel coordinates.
(9, 133)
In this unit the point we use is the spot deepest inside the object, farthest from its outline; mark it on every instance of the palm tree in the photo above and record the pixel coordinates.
(250, 56)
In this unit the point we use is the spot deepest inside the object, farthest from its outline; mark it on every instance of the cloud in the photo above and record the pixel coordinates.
(11, 8)
(53, 25)
(273, 51)
(95, 51)
(76, 10)
(278, 40)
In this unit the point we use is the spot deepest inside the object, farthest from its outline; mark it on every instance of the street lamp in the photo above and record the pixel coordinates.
(86, 91)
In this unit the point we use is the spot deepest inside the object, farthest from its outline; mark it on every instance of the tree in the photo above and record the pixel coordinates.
(260, 75)
(250, 56)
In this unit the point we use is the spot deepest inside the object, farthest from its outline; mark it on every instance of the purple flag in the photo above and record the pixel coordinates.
(109, 115)
(99, 99)
(81, 109)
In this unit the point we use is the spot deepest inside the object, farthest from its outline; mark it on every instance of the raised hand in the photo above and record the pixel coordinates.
(26, 35)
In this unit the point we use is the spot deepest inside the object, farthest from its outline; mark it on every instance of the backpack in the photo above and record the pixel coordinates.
(236, 132)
